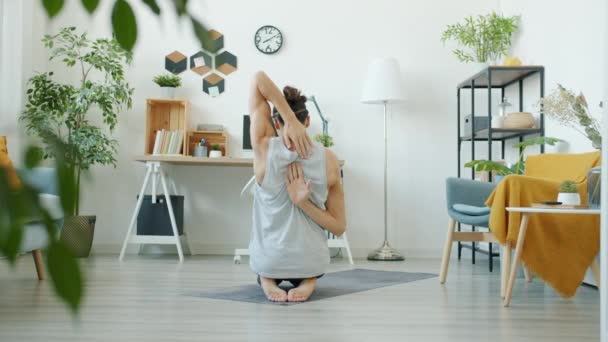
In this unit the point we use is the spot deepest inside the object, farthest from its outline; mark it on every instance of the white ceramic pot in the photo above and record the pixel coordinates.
(569, 198)
(168, 92)
(215, 154)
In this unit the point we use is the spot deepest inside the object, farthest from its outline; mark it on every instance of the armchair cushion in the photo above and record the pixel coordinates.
(471, 210)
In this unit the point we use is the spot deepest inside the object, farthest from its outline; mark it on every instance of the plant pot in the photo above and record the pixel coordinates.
(569, 198)
(519, 120)
(168, 92)
(77, 233)
(215, 154)
(200, 151)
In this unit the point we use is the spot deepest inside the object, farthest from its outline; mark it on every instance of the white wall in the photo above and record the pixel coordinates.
(327, 48)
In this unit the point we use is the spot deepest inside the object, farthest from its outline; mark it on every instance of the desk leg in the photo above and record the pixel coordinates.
(140, 199)
(171, 216)
(517, 260)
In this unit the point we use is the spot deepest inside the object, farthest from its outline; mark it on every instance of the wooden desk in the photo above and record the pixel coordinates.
(154, 170)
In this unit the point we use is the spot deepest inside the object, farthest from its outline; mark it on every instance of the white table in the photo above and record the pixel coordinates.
(526, 212)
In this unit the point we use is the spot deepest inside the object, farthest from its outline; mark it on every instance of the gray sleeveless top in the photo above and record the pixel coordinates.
(286, 243)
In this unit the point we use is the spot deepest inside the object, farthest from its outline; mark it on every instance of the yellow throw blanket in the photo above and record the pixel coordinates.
(558, 248)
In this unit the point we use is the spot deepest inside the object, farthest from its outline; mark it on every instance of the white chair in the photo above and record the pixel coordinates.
(332, 240)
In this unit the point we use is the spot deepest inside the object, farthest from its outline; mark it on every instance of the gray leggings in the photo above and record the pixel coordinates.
(294, 282)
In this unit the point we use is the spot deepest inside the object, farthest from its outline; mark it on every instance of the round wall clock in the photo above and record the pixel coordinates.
(268, 39)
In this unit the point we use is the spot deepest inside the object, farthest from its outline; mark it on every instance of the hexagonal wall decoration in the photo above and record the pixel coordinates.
(225, 62)
(213, 85)
(215, 42)
(201, 63)
(176, 62)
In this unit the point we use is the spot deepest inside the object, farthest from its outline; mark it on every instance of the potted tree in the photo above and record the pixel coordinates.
(66, 109)
(568, 193)
(168, 83)
(216, 151)
(482, 39)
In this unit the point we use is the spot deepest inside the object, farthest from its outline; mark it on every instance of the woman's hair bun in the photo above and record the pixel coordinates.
(294, 97)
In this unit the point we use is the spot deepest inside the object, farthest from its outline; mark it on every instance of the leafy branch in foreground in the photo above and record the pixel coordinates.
(21, 203)
(124, 22)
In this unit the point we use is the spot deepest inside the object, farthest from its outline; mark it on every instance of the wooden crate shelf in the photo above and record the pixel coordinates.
(211, 137)
(167, 114)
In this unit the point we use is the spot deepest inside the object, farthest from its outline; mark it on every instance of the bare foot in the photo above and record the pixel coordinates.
(302, 292)
(272, 291)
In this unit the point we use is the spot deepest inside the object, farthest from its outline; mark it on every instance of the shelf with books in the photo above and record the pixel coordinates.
(166, 127)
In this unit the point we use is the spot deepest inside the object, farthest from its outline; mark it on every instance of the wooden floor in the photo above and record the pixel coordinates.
(143, 299)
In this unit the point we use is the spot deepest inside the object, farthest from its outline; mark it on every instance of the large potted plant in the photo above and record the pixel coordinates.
(482, 39)
(67, 109)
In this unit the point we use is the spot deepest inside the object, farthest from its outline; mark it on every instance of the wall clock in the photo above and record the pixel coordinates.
(268, 39)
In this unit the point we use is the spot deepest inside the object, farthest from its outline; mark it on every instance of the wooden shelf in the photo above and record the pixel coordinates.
(167, 114)
(185, 160)
(502, 76)
(501, 134)
(211, 137)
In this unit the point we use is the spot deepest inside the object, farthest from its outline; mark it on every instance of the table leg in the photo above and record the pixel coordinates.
(527, 273)
(516, 261)
(595, 268)
(135, 212)
(172, 216)
(506, 266)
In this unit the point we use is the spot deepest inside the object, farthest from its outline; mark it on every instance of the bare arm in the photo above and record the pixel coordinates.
(333, 218)
(263, 90)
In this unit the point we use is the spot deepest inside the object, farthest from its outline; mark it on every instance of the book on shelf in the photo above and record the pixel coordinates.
(168, 142)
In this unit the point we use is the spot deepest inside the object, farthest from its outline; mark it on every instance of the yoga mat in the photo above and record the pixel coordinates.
(330, 285)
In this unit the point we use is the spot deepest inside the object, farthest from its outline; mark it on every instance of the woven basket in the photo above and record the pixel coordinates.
(77, 233)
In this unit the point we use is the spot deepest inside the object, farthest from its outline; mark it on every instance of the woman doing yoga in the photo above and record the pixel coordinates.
(298, 194)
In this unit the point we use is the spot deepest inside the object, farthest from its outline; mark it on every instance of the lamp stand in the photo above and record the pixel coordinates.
(385, 252)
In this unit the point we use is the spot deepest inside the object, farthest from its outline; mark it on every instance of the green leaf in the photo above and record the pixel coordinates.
(33, 156)
(153, 6)
(65, 274)
(537, 141)
(13, 241)
(181, 7)
(52, 7)
(90, 5)
(200, 32)
(124, 24)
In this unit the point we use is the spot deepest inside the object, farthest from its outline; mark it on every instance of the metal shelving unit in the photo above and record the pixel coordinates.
(492, 78)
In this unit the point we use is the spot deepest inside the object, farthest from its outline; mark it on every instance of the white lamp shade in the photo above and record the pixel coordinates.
(383, 82)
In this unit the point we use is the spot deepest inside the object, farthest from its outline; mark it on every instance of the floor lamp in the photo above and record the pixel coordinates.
(383, 86)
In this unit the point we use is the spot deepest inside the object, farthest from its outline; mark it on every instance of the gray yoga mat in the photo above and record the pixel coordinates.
(329, 286)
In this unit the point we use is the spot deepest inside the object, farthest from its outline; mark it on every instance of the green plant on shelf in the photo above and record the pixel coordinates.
(518, 168)
(569, 187)
(325, 139)
(216, 147)
(483, 39)
(168, 80)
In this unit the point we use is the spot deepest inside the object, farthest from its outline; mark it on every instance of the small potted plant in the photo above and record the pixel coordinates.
(568, 194)
(325, 139)
(216, 151)
(482, 39)
(168, 83)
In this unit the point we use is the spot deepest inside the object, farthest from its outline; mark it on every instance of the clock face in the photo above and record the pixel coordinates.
(268, 39)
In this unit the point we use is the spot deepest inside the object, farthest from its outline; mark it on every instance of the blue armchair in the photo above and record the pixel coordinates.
(35, 237)
(466, 205)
